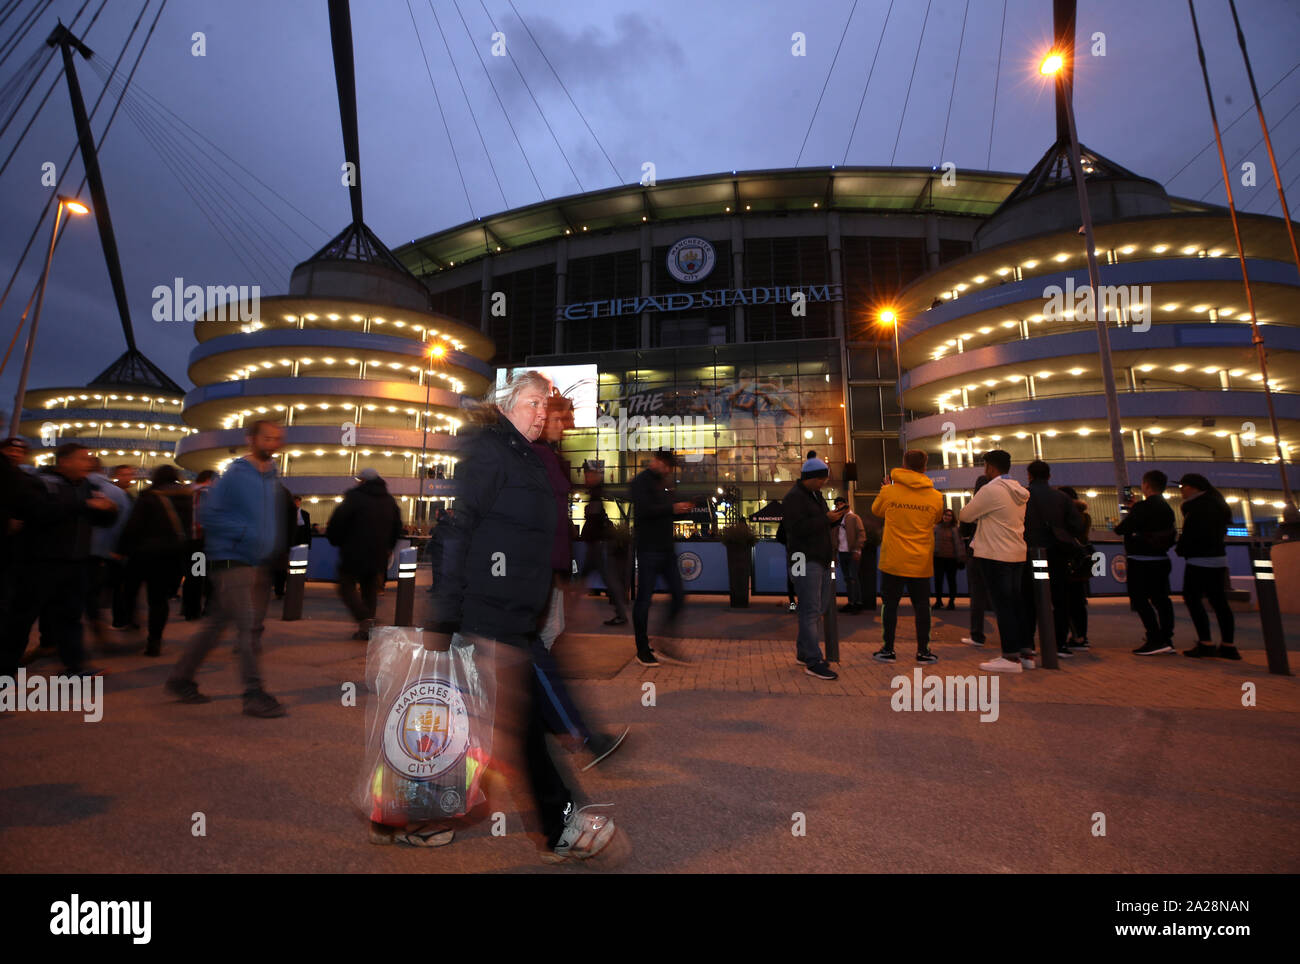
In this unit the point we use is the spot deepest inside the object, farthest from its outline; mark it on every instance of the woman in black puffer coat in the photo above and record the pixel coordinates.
(492, 575)
(1206, 518)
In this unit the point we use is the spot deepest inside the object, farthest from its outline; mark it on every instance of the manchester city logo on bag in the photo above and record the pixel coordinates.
(426, 730)
(691, 259)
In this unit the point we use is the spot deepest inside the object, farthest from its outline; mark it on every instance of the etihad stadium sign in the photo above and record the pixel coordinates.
(687, 300)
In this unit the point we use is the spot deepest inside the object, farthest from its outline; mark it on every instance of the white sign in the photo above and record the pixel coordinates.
(691, 259)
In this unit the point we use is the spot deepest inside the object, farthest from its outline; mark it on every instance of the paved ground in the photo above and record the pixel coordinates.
(715, 775)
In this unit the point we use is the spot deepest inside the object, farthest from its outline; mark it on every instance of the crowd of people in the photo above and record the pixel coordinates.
(72, 535)
(1005, 535)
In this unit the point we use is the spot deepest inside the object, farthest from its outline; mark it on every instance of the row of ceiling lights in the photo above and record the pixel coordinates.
(130, 398)
(1044, 375)
(454, 383)
(396, 322)
(1053, 433)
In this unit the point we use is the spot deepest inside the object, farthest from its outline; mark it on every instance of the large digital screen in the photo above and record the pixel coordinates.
(578, 383)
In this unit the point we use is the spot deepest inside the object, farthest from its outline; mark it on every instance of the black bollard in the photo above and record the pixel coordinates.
(830, 624)
(296, 586)
(1043, 605)
(1270, 616)
(404, 613)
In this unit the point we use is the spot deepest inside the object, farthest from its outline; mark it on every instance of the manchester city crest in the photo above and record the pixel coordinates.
(691, 259)
(426, 730)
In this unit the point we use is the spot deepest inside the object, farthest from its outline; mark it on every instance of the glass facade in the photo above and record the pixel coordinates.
(741, 418)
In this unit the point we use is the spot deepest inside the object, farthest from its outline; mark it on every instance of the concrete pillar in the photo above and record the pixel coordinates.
(1224, 381)
(1236, 446)
(1132, 379)
(738, 275)
(931, 241)
(1139, 450)
(561, 279)
(837, 268)
(1038, 445)
(1246, 514)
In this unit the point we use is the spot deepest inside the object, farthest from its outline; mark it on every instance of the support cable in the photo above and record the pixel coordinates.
(915, 61)
(826, 82)
(438, 100)
(952, 93)
(865, 87)
(468, 106)
(514, 63)
(565, 89)
(500, 103)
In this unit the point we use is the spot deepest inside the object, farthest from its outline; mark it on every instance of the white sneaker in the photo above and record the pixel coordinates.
(1002, 665)
(971, 642)
(1027, 662)
(585, 835)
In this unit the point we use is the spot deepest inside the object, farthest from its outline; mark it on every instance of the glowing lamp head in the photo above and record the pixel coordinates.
(888, 316)
(437, 351)
(75, 206)
(1052, 64)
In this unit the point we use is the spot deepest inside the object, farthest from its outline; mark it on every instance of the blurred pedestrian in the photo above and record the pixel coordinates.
(1079, 579)
(949, 556)
(1206, 517)
(850, 536)
(58, 514)
(154, 541)
(122, 581)
(365, 527)
(106, 569)
(197, 589)
(492, 582)
(598, 536)
(653, 508)
(243, 521)
(559, 418)
(1150, 531)
(911, 507)
(999, 550)
(808, 526)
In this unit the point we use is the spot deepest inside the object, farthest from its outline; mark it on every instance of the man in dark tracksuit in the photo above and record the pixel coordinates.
(653, 510)
(1149, 531)
(58, 514)
(1050, 515)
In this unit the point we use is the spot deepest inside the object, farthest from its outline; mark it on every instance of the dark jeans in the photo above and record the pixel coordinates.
(979, 598)
(124, 584)
(361, 604)
(650, 563)
(1210, 583)
(1005, 584)
(1148, 596)
(1076, 607)
(917, 588)
(162, 576)
(789, 580)
(55, 593)
(849, 573)
(945, 568)
(555, 702)
(1058, 582)
(815, 596)
(598, 560)
(240, 596)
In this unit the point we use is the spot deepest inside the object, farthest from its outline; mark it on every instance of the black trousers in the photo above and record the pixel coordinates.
(1058, 581)
(917, 588)
(945, 569)
(1209, 583)
(361, 604)
(1148, 596)
(55, 593)
(162, 577)
(1076, 607)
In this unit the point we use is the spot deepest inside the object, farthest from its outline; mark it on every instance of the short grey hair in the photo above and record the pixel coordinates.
(506, 397)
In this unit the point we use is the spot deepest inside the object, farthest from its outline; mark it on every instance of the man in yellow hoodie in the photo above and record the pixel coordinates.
(911, 507)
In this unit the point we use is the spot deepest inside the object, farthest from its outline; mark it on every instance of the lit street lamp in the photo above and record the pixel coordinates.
(1054, 65)
(437, 351)
(888, 316)
(76, 207)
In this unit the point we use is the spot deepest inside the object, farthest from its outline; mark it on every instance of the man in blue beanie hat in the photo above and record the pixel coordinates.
(808, 524)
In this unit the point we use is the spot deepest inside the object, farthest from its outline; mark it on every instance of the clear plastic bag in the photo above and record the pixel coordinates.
(429, 718)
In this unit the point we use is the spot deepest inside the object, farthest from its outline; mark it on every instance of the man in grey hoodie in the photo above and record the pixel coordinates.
(1000, 552)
